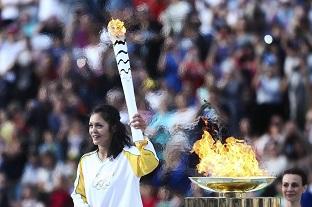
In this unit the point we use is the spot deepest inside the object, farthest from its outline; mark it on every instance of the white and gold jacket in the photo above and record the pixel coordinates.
(113, 182)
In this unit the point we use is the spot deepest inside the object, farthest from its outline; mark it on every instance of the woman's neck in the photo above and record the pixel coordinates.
(102, 152)
(293, 204)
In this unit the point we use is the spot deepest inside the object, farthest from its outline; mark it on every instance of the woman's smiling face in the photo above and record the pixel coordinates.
(292, 187)
(99, 130)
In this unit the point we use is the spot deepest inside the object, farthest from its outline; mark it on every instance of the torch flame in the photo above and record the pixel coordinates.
(116, 28)
(235, 158)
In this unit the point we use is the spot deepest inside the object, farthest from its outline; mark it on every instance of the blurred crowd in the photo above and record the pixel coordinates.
(252, 59)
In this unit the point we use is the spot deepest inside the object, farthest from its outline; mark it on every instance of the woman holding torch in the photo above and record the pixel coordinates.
(110, 175)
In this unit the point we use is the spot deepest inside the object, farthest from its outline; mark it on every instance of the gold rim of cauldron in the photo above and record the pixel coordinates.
(232, 184)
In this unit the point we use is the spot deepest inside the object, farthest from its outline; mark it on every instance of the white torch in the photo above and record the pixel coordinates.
(117, 31)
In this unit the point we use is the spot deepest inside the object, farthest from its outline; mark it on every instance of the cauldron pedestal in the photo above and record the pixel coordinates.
(232, 202)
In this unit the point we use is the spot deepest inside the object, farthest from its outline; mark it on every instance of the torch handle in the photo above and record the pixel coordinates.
(123, 63)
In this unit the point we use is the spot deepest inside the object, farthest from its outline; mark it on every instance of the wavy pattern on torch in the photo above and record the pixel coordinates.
(121, 60)
(125, 71)
(119, 42)
(121, 51)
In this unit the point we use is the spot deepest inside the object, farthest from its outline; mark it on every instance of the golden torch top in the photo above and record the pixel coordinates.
(116, 29)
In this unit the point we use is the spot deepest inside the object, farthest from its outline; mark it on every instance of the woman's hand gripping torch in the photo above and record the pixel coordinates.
(117, 31)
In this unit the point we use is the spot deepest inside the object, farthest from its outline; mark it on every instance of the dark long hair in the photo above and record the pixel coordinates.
(118, 130)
